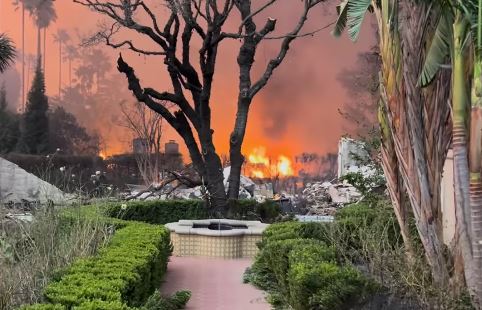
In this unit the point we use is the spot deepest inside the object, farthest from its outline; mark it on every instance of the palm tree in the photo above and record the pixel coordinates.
(7, 52)
(414, 149)
(458, 34)
(61, 37)
(43, 13)
(21, 3)
(70, 54)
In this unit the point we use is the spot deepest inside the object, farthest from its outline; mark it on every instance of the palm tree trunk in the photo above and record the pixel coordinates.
(475, 157)
(45, 47)
(39, 46)
(461, 104)
(70, 72)
(422, 147)
(22, 104)
(60, 69)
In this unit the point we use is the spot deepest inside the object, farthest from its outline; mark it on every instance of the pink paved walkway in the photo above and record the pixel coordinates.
(216, 284)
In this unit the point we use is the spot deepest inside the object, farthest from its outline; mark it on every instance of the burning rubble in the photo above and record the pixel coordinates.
(315, 198)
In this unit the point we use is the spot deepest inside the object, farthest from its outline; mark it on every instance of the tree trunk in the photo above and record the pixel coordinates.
(424, 154)
(39, 46)
(60, 69)
(45, 48)
(235, 143)
(475, 158)
(214, 177)
(394, 180)
(461, 104)
(22, 104)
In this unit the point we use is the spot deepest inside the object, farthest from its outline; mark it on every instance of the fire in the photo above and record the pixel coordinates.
(258, 156)
(261, 166)
(257, 174)
(284, 166)
(102, 155)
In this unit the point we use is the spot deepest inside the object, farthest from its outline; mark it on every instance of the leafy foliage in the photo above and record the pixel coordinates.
(297, 264)
(166, 211)
(68, 135)
(178, 300)
(9, 125)
(123, 274)
(7, 52)
(35, 136)
(439, 50)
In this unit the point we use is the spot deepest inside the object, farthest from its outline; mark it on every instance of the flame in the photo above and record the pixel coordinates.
(257, 174)
(261, 166)
(284, 166)
(258, 156)
(102, 155)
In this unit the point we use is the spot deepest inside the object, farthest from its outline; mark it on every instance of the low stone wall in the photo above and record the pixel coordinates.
(233, 243)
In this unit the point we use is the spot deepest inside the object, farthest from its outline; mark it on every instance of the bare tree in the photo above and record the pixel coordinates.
(198, 21)
(146, 126)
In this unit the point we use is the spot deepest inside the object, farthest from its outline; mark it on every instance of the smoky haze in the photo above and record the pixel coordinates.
(296, 112)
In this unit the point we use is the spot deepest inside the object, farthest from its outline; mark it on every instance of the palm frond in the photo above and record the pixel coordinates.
(439, 49)
(7, 52)
(355, 16)
(340, 24)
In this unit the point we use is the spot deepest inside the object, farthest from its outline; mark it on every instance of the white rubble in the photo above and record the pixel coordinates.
(246, 191)
(325, 198)
(17, 186)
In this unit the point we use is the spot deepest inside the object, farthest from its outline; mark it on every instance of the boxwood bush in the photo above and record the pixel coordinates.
(298, 265)
(120, 276)
(167, 211)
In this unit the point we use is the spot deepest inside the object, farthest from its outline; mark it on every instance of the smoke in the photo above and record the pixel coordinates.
(12, 81)
(283, 98)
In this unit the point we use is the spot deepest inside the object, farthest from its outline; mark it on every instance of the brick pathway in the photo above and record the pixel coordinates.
(216, 284)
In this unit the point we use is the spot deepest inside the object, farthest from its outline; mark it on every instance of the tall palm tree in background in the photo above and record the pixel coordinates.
(70, 54)
(61, 37)
(7, 52)
(43, 13)
(19, 4)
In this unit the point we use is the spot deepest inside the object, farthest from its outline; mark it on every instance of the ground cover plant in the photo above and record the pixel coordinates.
(31, 254)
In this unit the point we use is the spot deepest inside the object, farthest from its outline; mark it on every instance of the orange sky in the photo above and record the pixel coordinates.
(298, 110)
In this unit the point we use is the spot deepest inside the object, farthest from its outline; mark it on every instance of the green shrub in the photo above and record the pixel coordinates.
(43, 307)
(296, 230)
(355, 221)
(158, 211)
(123, 274)
(167, 211)
(297, 264)
(102, 305)
(176, 301)
(325, 286)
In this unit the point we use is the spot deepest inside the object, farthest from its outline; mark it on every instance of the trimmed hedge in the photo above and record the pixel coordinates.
(122, 275)
(299, 266)
(168, 211)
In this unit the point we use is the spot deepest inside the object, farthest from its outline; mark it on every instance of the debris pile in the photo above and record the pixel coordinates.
(325, 198)
(176, 189)
(17, 186)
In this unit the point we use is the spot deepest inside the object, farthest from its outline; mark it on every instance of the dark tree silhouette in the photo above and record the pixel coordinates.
(191, 24)
(9, 129)
(66, 134)
(35, 129)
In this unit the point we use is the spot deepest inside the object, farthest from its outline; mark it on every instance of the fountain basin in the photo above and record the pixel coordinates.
(216, 238)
